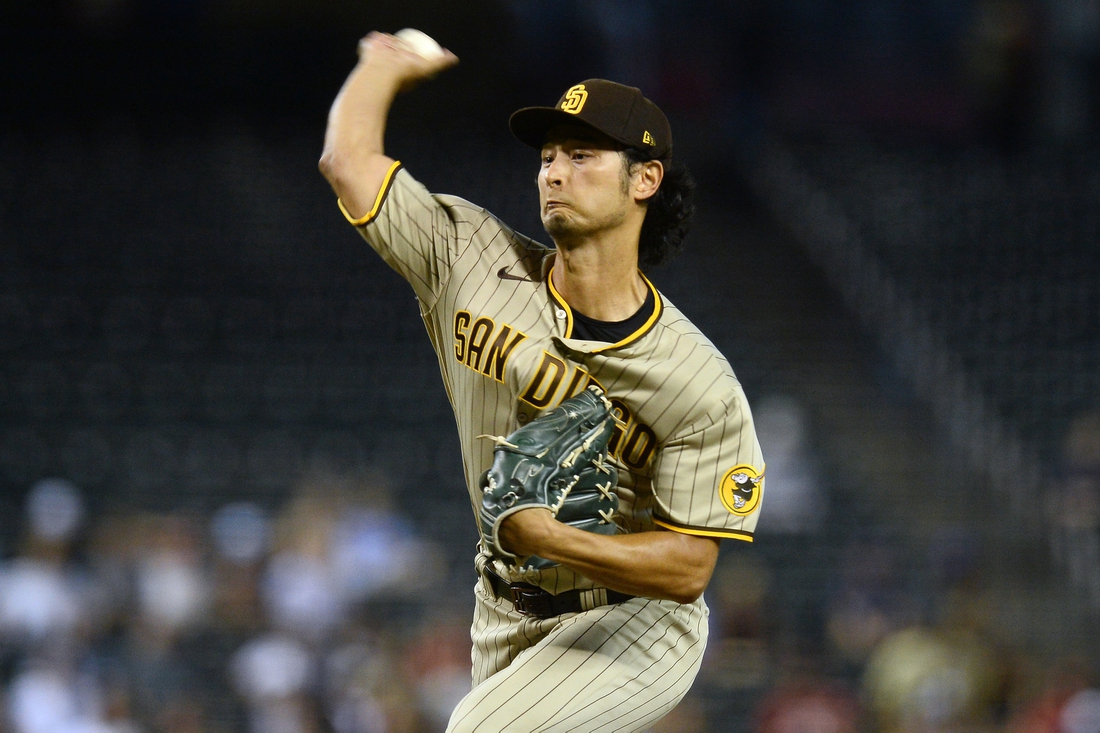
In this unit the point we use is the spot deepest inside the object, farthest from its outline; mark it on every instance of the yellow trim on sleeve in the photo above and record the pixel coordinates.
(728, 534)
(366, 218)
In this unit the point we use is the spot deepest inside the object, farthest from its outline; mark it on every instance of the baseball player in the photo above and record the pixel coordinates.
(609, 632)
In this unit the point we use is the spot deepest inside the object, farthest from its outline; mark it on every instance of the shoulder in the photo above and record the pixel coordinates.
(463, 208)
(405, 196)
(481, 224)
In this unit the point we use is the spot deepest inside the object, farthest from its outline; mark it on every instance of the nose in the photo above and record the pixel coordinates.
(554, 172)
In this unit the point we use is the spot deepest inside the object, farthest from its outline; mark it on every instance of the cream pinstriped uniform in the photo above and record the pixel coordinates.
(687, 457)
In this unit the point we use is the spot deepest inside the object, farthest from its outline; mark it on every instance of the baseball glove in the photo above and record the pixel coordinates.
(556, 461)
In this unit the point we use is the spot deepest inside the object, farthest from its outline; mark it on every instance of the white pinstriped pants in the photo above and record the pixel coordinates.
(614, 668)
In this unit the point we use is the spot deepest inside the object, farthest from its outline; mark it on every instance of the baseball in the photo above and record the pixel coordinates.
(420, 43)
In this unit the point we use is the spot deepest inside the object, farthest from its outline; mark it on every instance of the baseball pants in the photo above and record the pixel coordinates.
(615, 668)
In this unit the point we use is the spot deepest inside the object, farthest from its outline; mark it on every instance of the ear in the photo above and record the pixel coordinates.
(647, 179)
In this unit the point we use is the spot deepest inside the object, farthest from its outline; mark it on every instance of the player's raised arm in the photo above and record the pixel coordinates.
(354, 160)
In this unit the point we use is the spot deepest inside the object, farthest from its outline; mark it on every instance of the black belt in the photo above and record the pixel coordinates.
(530, 600)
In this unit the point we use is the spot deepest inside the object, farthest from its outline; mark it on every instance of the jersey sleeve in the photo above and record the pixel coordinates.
(709, 480)
(413, 231)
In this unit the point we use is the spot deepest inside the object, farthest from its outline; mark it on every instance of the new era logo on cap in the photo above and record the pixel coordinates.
(616, 110)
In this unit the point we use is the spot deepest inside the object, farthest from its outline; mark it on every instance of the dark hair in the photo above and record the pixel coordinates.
(670, 210)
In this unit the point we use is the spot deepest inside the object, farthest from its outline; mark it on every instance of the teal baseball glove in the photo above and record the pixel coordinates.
(557, 461)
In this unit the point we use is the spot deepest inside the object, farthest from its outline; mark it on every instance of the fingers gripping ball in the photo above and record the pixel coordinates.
(559, 462)
(420, 43)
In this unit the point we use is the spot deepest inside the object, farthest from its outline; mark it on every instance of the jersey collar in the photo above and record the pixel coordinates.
(597, 347)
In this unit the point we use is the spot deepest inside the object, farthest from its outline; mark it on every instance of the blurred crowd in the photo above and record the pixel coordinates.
(322, 617)
(326, 608)
(1074, 506)
(333, 613)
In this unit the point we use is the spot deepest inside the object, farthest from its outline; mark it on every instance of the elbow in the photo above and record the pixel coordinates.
(698, 561)
(340, 164)
(689, 593)
(689, 590)
(686, 598)
(330, 166)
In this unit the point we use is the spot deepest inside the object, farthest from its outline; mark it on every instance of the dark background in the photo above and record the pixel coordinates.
(230, 492)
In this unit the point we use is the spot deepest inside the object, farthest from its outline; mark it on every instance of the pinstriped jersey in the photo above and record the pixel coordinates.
(686, 449)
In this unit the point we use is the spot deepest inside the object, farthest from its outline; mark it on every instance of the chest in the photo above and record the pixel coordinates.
(506, 363)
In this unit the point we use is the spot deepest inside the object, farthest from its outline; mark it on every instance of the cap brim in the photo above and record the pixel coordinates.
(531, 124)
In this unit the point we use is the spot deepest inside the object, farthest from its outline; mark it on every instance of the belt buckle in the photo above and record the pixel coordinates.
(530, 600)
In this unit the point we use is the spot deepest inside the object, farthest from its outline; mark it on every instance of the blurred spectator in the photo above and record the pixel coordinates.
(1046, 712)
(171, 586)
(376, 552)
(299, 588)
(438, 662)
(241, 533)
(738, 654)
(275, 674)
(923, 680)
(241, 538)
(169, 603)
(301, 595)
(368, 692)
(808, 706)
(46, 701)
(870, 601)
(796, 501)
(1081, 713)
(48, 612)
(55, 511)
(1075, 507)
(42, 593)
(949, 676)
(339, 545)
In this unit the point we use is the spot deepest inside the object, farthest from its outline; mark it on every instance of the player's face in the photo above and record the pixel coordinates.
(582, 185)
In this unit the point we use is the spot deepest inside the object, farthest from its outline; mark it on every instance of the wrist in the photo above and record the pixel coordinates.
(529, 532)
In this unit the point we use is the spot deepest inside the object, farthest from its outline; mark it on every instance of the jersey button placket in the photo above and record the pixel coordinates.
(561, 319)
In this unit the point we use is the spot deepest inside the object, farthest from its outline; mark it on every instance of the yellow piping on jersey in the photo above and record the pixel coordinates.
(728, 534)
(367, 217)
(658, 308)
(561, 303)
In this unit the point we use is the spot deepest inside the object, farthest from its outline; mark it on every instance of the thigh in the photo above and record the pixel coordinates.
(499, 634)
(615, 668)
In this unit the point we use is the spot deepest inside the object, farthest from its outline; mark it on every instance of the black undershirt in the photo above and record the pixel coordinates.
(612, 332)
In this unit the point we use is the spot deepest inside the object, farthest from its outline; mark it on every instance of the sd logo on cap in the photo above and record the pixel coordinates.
(616, 110)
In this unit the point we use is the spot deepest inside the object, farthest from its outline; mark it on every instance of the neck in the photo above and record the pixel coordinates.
(600, 279)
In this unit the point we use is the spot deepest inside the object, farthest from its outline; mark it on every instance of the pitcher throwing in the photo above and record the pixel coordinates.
(597, 623)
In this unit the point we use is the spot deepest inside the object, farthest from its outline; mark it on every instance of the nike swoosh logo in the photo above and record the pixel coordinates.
(503, 274)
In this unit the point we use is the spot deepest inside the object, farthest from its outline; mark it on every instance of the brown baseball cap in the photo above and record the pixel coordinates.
(616, 110)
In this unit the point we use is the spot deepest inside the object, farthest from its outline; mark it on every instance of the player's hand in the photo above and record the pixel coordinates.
(383, 53)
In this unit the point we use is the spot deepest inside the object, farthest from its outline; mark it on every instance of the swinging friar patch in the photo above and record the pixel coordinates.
(741, 488)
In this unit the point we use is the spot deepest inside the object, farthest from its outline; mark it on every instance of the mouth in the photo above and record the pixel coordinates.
(552, 205)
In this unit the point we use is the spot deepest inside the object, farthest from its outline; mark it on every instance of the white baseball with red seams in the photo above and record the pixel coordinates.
(420, 43)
